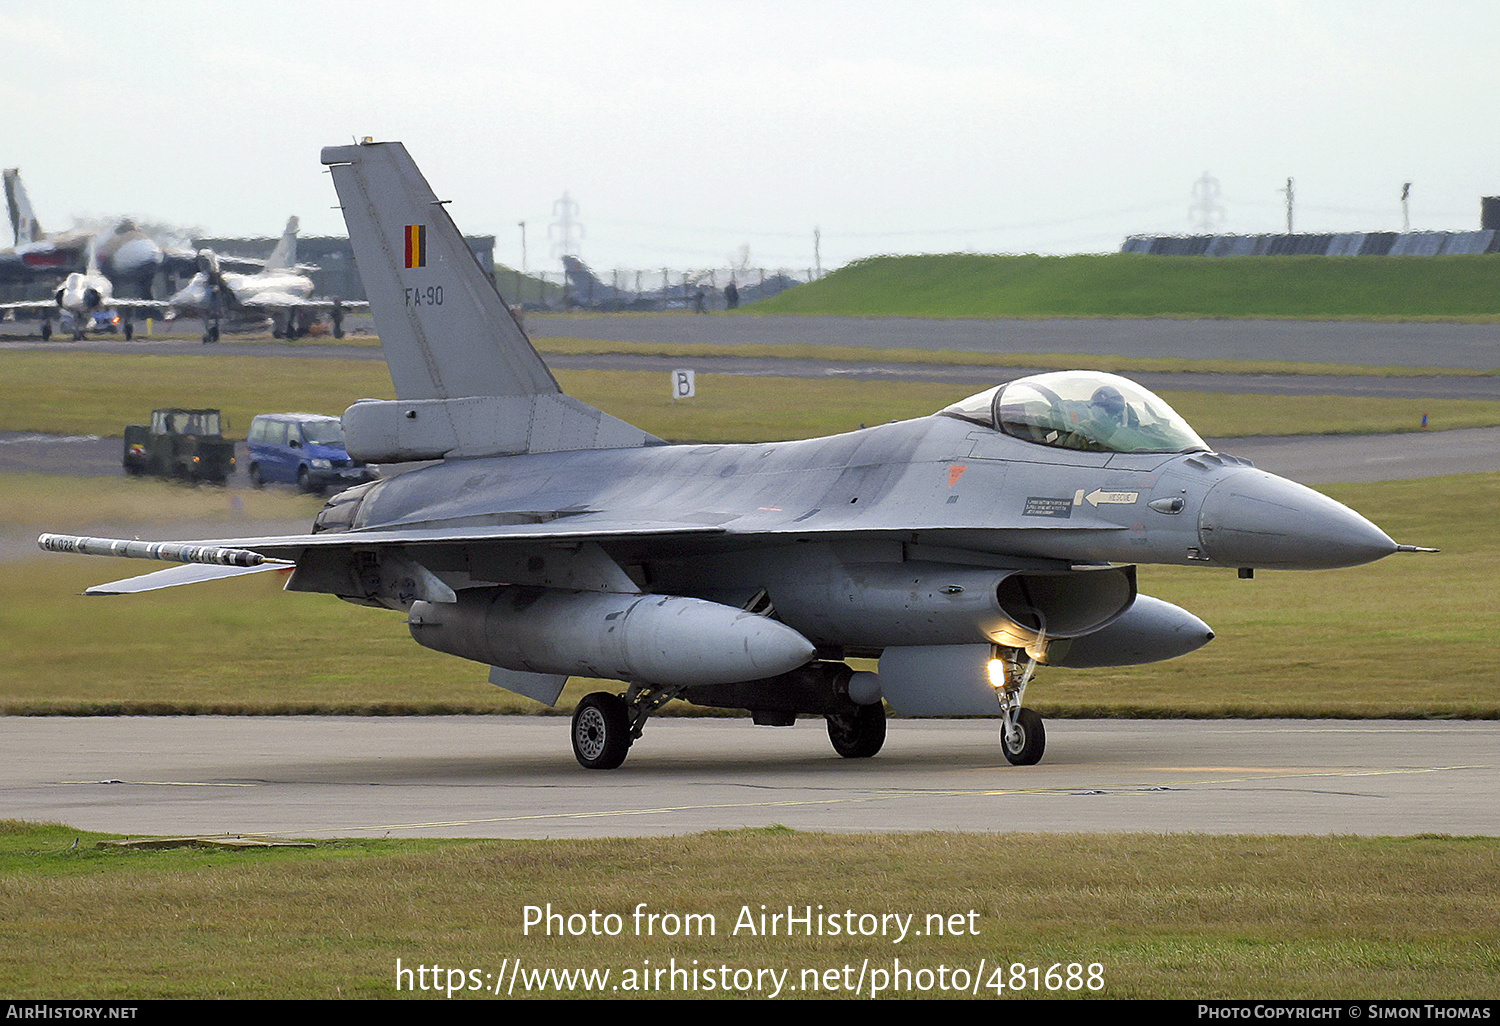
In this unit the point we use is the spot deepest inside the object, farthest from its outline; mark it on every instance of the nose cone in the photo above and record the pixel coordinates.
(1255, 519)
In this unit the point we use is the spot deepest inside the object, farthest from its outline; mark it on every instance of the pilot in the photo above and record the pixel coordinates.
(1106, 414)
(1108, 405)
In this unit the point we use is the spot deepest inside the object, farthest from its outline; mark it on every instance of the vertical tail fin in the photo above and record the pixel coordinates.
(468, 382)
(446, 331)
(284, 256)
(22, 218)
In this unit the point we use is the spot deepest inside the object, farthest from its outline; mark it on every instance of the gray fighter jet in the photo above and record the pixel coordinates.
(546, 538)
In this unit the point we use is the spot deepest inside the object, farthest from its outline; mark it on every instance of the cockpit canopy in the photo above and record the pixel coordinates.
(1087, 410)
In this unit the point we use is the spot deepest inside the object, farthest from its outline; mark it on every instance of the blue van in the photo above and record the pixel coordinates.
(306, 449)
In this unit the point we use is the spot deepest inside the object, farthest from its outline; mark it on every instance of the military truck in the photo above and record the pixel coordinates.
(182, 444)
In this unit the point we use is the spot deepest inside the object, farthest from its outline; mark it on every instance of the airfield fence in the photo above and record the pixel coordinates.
(659, 288)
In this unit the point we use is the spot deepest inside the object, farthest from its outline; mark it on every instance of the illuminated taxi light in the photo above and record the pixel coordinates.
(997, 673)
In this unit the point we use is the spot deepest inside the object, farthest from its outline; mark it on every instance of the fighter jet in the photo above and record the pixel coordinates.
(547, 539)
(583, 290)
(80, 297)
(279, 291)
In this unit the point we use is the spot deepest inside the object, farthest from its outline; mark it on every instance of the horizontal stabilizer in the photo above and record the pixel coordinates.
(378, 431)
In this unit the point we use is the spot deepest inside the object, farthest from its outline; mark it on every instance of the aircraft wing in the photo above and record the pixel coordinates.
(226, 557)
(113, 304)
(230, 557)
(274, 301)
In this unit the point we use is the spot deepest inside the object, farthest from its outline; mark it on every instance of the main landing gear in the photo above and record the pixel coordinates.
(601, 731)
(1023, 739)
(605, 725)
(858, 734)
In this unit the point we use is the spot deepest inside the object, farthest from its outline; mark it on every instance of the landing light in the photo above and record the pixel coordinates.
(997, 673)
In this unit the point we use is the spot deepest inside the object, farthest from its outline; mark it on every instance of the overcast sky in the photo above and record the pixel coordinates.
(685, 131)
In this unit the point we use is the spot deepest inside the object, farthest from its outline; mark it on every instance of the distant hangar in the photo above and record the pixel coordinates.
(1469, 243)
(1337, 244)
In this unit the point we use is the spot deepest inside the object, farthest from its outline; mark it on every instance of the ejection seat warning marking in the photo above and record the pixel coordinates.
(954, 473)
(1041, 506)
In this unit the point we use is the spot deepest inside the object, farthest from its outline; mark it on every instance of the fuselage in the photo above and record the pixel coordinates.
(940, 480)
(268, 290)
(82, 294)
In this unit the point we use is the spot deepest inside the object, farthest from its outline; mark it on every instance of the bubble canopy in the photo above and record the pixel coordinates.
(1087, 410)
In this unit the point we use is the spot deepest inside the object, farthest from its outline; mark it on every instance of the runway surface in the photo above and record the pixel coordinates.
(516, 777)
(1405, 344)
(1378, 344)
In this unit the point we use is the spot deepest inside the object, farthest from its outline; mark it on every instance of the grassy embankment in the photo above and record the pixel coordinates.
(1127, 285)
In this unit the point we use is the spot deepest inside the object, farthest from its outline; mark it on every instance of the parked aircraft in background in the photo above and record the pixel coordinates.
(547, 539)
(80, 298)
(584, 290)
(125, 255)
(278, 291)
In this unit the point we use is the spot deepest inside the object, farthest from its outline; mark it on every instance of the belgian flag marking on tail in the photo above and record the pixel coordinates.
(416, 245)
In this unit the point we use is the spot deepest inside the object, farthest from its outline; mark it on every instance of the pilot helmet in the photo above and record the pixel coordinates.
(1109, 400)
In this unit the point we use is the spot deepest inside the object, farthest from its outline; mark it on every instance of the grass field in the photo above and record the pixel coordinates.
(1131, 285)
(1140, 916)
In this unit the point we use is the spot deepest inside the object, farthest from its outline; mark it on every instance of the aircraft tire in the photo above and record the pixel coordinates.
(601, 731)
(129, 332)
(1030, 742)
(858, 734)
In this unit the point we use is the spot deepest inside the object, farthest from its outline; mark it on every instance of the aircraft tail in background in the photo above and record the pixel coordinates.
(23, 222)
(284, 256)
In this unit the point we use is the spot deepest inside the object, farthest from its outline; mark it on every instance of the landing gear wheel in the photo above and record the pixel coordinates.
(129, 331)
(858, 734)
(1024, 745)
(601, 731)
